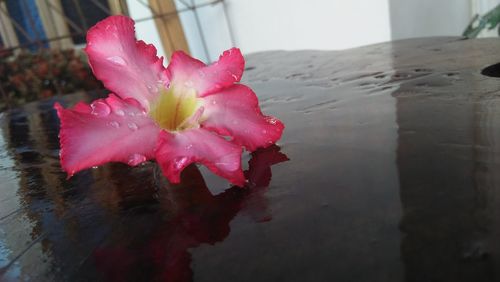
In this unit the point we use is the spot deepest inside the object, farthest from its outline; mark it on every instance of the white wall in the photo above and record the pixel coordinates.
(260, 25)
(313, 24)
(423, 18)
(483, 6)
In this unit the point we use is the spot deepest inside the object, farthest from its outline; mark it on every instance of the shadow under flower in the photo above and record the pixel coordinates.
(189, 215)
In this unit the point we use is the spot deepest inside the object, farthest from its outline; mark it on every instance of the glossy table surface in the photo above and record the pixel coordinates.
(388, 170)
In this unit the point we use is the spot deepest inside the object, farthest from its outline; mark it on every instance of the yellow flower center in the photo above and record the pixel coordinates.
(173, 108)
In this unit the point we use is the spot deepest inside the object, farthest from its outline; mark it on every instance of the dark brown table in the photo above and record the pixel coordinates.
(389, 170)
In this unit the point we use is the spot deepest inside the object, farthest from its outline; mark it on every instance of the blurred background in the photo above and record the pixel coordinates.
(41, 40)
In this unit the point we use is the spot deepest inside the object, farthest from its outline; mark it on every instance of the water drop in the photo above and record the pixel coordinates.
(214, 102)
(114, 124)
(152, 89)
(264, 131)
(94, 167)
(119, 112)
(235, 77)
(132, 126)
(117, 60)
(189, 147)
(136, 159)
(188, 83)
(272, 121)
(180, 162)
(100, 108)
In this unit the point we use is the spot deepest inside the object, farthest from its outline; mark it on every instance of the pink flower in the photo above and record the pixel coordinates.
(186, 113)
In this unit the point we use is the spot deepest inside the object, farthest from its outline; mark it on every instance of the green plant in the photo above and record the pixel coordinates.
(478, 23)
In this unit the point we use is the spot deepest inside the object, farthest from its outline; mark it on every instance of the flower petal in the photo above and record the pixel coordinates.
(109, 129)
(235, 112)
(176, 151)
(189, 72)
(182, 67)
(127, 67)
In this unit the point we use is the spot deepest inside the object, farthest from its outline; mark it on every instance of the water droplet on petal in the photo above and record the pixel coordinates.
(272, 121)
(188, 83)
(152, 89)
(189, 147)
(132, 126)
(214, 102)
(100, 108)
(264, 131)
(94, 167)
(235, 77)
(136, 159)
(117, 60)
(180, 162)
(119, 112)
(114, 124)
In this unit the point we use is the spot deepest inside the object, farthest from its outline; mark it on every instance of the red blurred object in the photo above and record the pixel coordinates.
(30, 76)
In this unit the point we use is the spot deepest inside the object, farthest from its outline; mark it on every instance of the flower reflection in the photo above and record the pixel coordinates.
(157, 249)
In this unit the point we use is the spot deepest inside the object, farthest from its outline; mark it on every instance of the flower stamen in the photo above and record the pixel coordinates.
(173, 107)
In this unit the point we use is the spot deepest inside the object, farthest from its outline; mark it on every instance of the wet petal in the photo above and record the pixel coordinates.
(107, 130)
(176, 151)
(182, 67)
(186, 71)
(235, 112)
(127, 67)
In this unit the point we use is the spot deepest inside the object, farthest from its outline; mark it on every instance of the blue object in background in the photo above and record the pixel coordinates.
(25, 13)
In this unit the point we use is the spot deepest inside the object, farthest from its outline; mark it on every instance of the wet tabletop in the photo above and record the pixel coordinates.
(388, 170)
